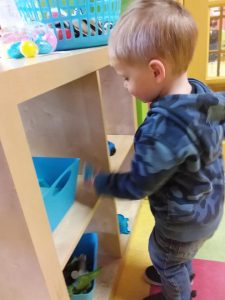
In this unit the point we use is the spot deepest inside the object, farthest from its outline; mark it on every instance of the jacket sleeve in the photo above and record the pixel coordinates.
(152, 165)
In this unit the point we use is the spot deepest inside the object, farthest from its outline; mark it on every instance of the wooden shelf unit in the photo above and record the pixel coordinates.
(66, 104)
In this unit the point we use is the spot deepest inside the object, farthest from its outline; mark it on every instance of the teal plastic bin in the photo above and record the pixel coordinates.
(76, 23)
(57, 179)
(88, 245)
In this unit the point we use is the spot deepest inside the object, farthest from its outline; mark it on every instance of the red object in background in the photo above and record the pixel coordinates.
(60, 33)
(208, 282)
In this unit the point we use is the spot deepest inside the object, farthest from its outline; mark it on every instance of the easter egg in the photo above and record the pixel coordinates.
(44, 47)
(29, 49)
(51, 39)
(14, 50)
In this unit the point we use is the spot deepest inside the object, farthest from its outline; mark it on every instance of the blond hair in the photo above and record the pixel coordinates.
(154, 29)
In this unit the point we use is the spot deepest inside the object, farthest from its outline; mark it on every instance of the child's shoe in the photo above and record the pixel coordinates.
(152, 277)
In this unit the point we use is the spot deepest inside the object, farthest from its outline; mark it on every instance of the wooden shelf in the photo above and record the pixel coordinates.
(70, 229)
(23, 79)
(62, 113)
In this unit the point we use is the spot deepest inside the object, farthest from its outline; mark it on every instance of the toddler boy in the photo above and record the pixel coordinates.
(177, 150)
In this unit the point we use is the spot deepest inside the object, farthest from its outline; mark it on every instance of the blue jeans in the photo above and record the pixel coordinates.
(173, 261)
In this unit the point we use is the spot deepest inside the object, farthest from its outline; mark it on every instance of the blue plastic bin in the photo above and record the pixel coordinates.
(57, 178)
(88, 245)
(77, 23)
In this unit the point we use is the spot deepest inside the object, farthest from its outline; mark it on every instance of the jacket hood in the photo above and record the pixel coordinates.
(200, 114)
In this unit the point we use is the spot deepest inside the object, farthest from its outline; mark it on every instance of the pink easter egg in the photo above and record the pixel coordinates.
(51, 39)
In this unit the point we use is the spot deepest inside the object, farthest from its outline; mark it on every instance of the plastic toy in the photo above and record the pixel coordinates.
(75, 268)
(123, 224)
(81, 27)
(43, 46)
(112, 148)
(28, 49)
(51, 38)
(83, 282)
(14, 50)
(27, 40)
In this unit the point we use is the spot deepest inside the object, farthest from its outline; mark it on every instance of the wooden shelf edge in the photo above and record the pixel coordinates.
(63, 66)
(107, 281)
(69, 231)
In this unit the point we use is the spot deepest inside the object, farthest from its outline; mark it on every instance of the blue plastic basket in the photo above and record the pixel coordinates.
(88, 245)
(57, 178)
(77, 23)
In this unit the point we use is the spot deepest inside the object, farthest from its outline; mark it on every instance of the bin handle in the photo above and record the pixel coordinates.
(66, 174)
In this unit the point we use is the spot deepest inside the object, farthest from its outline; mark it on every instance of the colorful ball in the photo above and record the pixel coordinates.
(29, 49)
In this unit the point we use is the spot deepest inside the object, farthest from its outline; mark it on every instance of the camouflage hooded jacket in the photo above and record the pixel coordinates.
(178, 162)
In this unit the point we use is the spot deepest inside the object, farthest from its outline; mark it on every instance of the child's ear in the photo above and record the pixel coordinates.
(158, 70)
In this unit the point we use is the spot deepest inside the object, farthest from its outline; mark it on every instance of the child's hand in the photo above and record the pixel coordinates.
(88, 196)
(89, 174)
